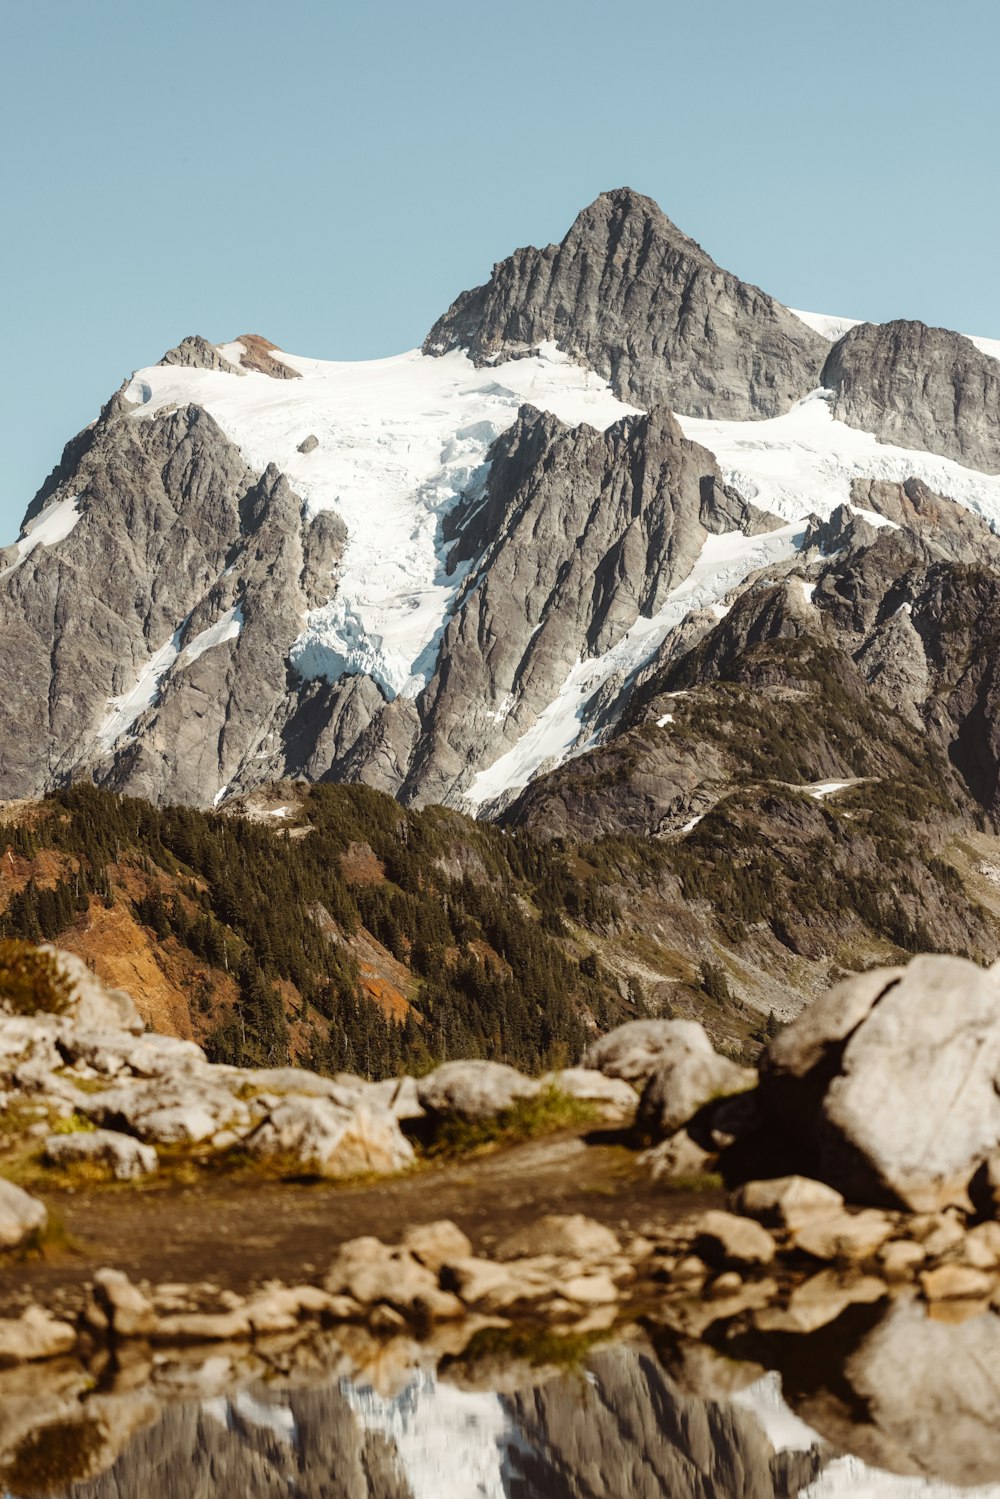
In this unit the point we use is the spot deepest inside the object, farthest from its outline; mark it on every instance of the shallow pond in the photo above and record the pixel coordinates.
(885, 1402)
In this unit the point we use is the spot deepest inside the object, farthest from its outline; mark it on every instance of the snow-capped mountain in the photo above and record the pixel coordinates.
(449, 572)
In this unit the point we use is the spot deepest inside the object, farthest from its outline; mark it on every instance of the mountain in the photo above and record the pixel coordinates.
(700, 590)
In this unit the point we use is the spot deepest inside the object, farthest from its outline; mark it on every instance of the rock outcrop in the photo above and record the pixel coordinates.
(919, 387)
(629, 295)
(893, 1078)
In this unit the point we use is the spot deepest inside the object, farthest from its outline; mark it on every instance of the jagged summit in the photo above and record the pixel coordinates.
(446, 572)
(629, 295)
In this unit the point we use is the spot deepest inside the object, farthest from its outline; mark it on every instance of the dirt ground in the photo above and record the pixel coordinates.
(237, 1234)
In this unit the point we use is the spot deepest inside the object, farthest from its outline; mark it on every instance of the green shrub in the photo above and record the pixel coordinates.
(30, 980)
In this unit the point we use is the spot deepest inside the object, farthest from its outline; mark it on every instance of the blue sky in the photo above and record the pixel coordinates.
(331, 173)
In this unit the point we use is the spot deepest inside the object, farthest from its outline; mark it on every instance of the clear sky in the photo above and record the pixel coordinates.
(331, 173)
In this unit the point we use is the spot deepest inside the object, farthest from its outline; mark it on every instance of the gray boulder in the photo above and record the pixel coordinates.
(20, 1215)
(127, 1158)
(473, 1090)
(687, 1077)
(634, 1050)
(893, 1078)
(323, 1138)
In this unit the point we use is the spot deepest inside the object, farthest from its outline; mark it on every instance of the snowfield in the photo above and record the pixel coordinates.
(805, 461)
(399, 441)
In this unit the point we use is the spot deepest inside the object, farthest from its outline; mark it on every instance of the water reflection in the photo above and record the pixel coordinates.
(889, 1403)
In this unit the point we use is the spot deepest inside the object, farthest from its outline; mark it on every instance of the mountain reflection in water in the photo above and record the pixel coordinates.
(910, 1408)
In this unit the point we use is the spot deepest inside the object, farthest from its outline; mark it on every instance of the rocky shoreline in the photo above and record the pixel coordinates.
(901, 1203)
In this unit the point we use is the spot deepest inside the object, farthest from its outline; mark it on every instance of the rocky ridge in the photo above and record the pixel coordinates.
(165, 572)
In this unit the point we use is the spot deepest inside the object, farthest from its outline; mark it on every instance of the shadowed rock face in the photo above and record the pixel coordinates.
(629, 1430)
(630, 295)
(919, 387)
(235, 1453)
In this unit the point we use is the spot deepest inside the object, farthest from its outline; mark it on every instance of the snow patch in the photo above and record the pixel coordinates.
(823, 789)
(400, 441)
(805, 461)
(449, 1442)
(561, 730)
(125, 710)
(47, 529)
(662, 722)
(226, 628)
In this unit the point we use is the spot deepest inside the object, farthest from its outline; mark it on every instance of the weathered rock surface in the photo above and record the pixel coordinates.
(789, 1202)
(125, 1157)
(919, 387)
(726, 1238)
(473, 1090)
(686, 1078)
(34, 1335)
(634, 1051)
(333, 1141)
(629, 295)
(894, 1077)
(21, 1215)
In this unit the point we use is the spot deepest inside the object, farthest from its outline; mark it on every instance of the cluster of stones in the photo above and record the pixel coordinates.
(563, 1270)
(91, 1085)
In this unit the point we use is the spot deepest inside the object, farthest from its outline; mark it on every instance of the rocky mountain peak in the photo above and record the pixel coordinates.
(629, 295)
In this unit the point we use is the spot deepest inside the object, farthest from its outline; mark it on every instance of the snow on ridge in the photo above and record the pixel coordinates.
(561, 731)
(124, 711)
(834, 328)
(399, 440)
(805, 461)
(47, 529)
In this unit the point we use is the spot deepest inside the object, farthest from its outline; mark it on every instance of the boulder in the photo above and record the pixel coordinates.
(373, 1273)
(726, 1239)
(126, 1157)
(437, 1244)
(685, 1078)
(819, 1301)
(21, 1215)
(400, 1095)
(851, 1237)
(786, 1201)
(129, 1312)
(892, 1081)
(473, 1090)
(633, 1051)
(957, 1282)
(93, 1004)
(616, 1101)
(321, 1137)
(36, 1334)
(676, 1158)
(572, 1235)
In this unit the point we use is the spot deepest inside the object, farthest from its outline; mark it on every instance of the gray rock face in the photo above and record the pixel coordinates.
(126, 1157)
(635, 299)
(635, 1050)
(895, 1077)
(578, 531)
(919, 387)
(685, 1079)
(473, 1090)
(197, 353)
